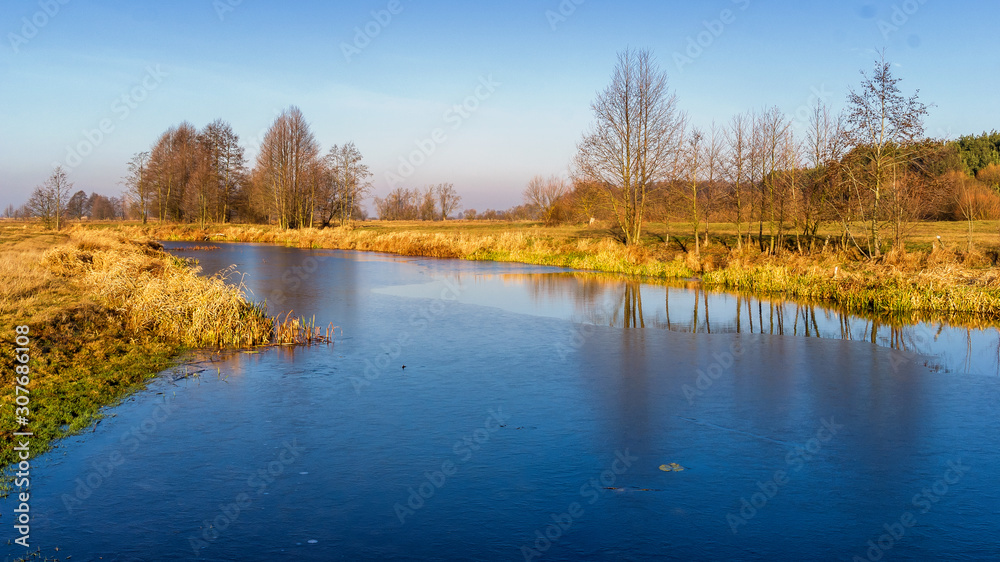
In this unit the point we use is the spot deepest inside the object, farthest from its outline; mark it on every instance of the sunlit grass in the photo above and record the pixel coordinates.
(105, 314)
(155, 293)
(931, 274)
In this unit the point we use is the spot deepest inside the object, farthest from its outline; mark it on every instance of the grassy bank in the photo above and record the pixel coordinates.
(926, 277)
(105, 313)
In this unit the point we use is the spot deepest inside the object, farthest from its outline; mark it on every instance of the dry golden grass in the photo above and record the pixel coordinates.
(927, 276)
(23, 280)
(81, 358)
(106, 313)
(155, 293)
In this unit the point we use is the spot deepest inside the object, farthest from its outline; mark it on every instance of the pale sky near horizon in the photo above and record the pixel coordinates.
(525, 72)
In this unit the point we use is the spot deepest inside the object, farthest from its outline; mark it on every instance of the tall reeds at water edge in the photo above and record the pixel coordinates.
(299, 331)
(159, 294)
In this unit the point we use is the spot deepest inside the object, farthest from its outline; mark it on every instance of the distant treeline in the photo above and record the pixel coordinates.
(870, 169)
(202, 176)
(946, 180)
(953, 163)
(79, 206)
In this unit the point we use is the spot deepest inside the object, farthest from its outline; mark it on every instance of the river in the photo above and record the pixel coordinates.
(485, 411)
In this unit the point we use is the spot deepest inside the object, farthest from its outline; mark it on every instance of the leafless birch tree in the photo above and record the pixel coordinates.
(630, 146)
(883, 128)
(48, 201)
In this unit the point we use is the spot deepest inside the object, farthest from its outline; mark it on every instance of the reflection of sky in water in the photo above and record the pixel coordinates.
(602, 299)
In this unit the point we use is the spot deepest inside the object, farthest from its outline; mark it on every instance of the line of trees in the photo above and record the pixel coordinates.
(54, 203)
(188, 175)
(871, 170)
(434, 202)
(203, 177)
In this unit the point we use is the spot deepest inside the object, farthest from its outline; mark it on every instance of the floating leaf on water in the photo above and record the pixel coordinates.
(672, 467)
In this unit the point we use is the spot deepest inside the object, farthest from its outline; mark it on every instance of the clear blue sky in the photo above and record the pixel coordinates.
(65, 78)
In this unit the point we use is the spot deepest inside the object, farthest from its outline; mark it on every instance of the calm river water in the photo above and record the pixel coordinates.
(531, 421)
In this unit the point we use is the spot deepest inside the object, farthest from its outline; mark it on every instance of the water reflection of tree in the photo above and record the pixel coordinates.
(611, 300)
(632, 305)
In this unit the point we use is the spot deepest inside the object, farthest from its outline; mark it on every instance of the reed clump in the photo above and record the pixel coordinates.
(155, 293)
(300, 331)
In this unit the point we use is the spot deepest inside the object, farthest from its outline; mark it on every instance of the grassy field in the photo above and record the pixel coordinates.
(919, 236)
(104, 313)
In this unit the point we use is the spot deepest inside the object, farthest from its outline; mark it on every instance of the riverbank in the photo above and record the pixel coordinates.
(105, 313)
(929, 277)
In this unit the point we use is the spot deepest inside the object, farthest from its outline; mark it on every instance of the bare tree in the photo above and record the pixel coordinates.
(137, 184)
(757, 171)
(201, 194)
(586, 198)
(544, 194)
(117, 207)
(428, 204)
(101, 207)
(788, 199)
(286, 169)
(694, 163)
(823, 150)
(883, 128)
(217, 172)
(737, 166)
(349, 182)
(629, 149)
(772, 132)
(224, 168)
(448, 199)
(712, 171)
(400, 204)
(48, 201)
(40, 205)
(172, 162)
(188, 175)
